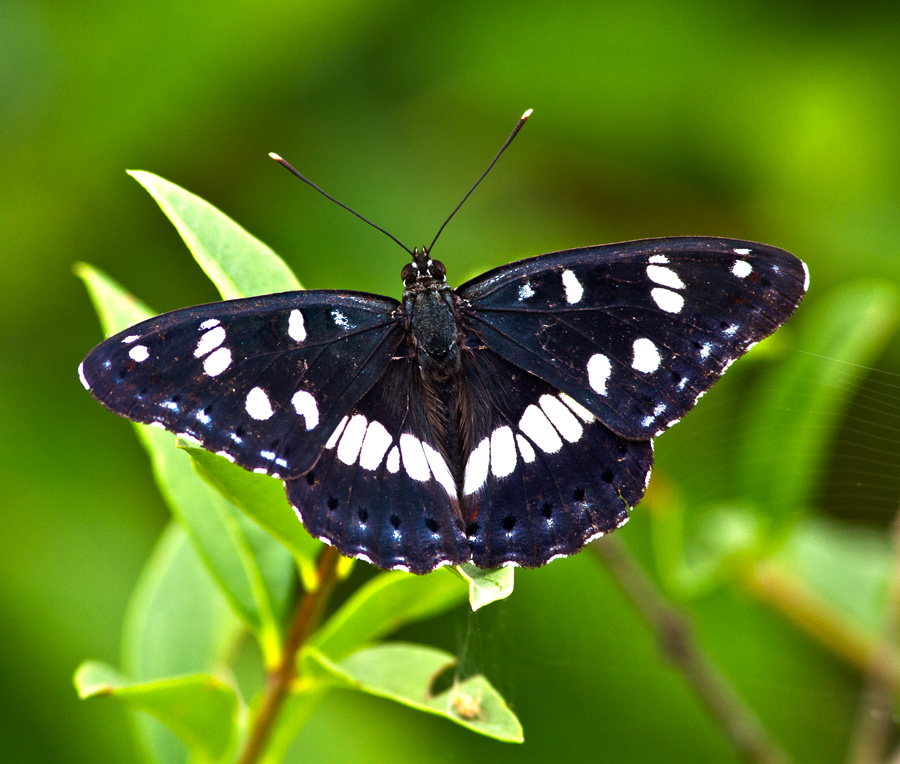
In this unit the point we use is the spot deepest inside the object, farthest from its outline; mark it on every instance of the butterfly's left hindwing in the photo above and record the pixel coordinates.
(382, 490)
(263, 380)
(638, 331)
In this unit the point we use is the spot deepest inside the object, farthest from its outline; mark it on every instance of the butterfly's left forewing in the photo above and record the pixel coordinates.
(263, 381)
(635, 332)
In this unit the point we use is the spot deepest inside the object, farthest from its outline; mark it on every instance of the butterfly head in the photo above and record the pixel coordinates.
(423, 272)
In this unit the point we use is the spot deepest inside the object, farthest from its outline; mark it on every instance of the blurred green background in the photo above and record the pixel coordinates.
(775, 122)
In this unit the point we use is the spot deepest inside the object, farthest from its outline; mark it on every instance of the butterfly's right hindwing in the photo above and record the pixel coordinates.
(263, 380)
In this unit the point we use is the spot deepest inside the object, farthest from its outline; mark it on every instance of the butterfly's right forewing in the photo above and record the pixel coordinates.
(263, 381)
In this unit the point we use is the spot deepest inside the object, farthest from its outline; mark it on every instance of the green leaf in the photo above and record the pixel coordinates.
(199, 708)
(177, 622)
(804, 399)
(847, 566)
(729, 538)
(486, 586)
(294, 713)
(263, 499)
(383, 605)
(117, 308)
(211, 521)
(213, 525)
(405, 673)
(238, 263)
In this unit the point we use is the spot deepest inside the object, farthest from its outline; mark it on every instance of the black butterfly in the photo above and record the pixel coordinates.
(509, 421)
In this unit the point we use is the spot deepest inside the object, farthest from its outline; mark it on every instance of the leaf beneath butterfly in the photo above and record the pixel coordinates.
(405, 673)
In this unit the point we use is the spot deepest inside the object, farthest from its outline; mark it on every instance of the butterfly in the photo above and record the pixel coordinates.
(507, 421)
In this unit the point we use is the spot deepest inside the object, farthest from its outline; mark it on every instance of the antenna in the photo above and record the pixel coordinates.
(287, 165)
(503, 148)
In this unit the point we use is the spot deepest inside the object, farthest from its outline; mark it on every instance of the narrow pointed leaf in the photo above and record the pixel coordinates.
(383, 605)
(209, 519)
(200, 709)
(238, 263)
(178, 622)
(262, 498)
(840, 335)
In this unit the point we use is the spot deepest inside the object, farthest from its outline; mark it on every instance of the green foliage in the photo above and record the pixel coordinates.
(199, 708)
(246, 536)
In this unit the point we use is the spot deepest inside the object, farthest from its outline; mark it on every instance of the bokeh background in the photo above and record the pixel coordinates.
(769, 121)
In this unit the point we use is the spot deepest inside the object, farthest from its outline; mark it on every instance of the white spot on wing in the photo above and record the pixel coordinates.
(340, 319)
(535, 425)
(258, 405)
(374, 447)
(83, 378)
(393, 460)
(579, 410)
(225, 455)
(414, 461)
(659, 259)
(503, 452)
(646, 356)
(139, 353)
(477, 467)
(664, 276)
(209, 340)
(806, 275)
(296, 326)
(741, 269)
(525, 449)
(742, 251)
(526, 291)
(131, 338)
(333, 439)
(305, 405)
(562, 418)
(217, 362)
(209, 324)
(440, 470)
(351, 440)
(599, 367)
(574, 290)
(669, 301)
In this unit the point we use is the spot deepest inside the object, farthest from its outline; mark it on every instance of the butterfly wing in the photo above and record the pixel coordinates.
(635, 332)
(545, 476)
(381, 490)
(263, 380)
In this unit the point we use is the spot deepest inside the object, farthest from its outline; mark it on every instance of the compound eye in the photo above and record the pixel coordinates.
(409, 274)
(437, 269)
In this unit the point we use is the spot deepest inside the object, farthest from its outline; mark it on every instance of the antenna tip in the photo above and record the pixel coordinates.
(275, 156)
(527, 114)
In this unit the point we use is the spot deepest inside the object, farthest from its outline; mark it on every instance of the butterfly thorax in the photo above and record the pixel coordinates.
(433, 332)
(431, 317)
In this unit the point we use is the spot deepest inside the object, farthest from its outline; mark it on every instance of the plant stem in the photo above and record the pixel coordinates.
(678, 643)
(790, 596)
(874, 721)
(279, 678)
